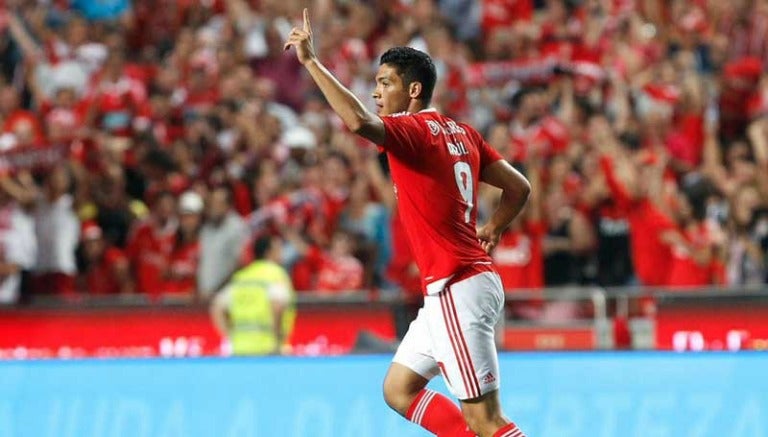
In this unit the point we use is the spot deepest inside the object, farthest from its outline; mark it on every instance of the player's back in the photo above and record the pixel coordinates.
(436, 165)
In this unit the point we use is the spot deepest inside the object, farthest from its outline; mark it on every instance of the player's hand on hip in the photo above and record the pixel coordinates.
(488, 237)
(301, 39)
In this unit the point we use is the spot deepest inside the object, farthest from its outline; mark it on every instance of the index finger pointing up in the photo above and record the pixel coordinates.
(307, 27)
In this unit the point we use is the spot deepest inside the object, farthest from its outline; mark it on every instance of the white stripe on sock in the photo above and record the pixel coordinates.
(422, 407)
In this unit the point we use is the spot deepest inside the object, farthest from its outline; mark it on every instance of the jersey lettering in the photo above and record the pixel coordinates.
(457, 149)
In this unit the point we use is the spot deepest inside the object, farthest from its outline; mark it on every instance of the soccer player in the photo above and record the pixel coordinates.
(436, 164)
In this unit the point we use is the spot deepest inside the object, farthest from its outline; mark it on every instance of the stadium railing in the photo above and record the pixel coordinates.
(567, 318)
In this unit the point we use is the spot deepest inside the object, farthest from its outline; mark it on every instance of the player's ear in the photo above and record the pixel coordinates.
(414, 90)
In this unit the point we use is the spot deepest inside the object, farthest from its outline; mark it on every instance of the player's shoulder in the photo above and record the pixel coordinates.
(425, 114)
(457, 127)
(414, 121)
(469, 129)
(400, 114)
(405, 118)
(450, 125)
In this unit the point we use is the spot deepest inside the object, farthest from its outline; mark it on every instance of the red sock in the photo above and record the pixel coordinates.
(509, 430)
(437, 414)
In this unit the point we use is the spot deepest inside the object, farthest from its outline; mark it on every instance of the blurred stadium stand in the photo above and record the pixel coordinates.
(144, 144)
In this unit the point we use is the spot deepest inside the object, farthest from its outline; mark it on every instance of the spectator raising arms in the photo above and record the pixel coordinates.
(651, 230)
(519, 254)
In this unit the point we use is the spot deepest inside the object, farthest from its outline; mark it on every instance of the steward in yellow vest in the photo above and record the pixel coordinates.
(256, 309)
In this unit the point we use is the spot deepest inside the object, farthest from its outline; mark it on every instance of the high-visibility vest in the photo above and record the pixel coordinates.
(250, 311)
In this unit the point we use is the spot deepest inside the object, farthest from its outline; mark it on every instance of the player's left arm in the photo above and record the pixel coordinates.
(515, 191)
(352, 112)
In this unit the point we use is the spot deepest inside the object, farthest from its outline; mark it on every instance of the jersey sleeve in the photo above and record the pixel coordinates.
(402, 134)
(488, 155)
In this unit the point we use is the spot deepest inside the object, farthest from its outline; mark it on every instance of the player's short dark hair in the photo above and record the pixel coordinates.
(414, 66)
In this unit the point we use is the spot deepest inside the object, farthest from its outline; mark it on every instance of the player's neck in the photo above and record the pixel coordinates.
(416, 106)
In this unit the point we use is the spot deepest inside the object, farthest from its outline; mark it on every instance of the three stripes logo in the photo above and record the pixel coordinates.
(489, 378)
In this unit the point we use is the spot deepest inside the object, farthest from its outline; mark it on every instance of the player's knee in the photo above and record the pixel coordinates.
(401, 386)
(395, 397)
(399, 391)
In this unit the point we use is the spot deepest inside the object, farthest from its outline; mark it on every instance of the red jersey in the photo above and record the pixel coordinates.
(502, 14)
(69, 119)
(318, 270)
(333, 205)
(120, 104)
(183, 267)
(549, 136)
(23, 116)
(101, 278)
(686, 141)
(435, 165)
(519, 257)
(684, 271)
(340, 274)
(149, 250)
(650, 256)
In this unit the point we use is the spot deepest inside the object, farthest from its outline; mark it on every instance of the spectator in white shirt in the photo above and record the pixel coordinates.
(222, 239)
(58, 234)
(18, 247)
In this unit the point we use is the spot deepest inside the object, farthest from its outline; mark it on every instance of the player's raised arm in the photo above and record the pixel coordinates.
(352, 112)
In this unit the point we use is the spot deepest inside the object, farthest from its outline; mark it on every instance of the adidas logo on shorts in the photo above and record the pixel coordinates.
(489, 378)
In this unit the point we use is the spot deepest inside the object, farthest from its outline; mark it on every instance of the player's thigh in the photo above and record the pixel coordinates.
(413, 364)
(462, 320)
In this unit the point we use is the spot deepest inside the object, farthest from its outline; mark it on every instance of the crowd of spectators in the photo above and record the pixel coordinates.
(145, 144)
